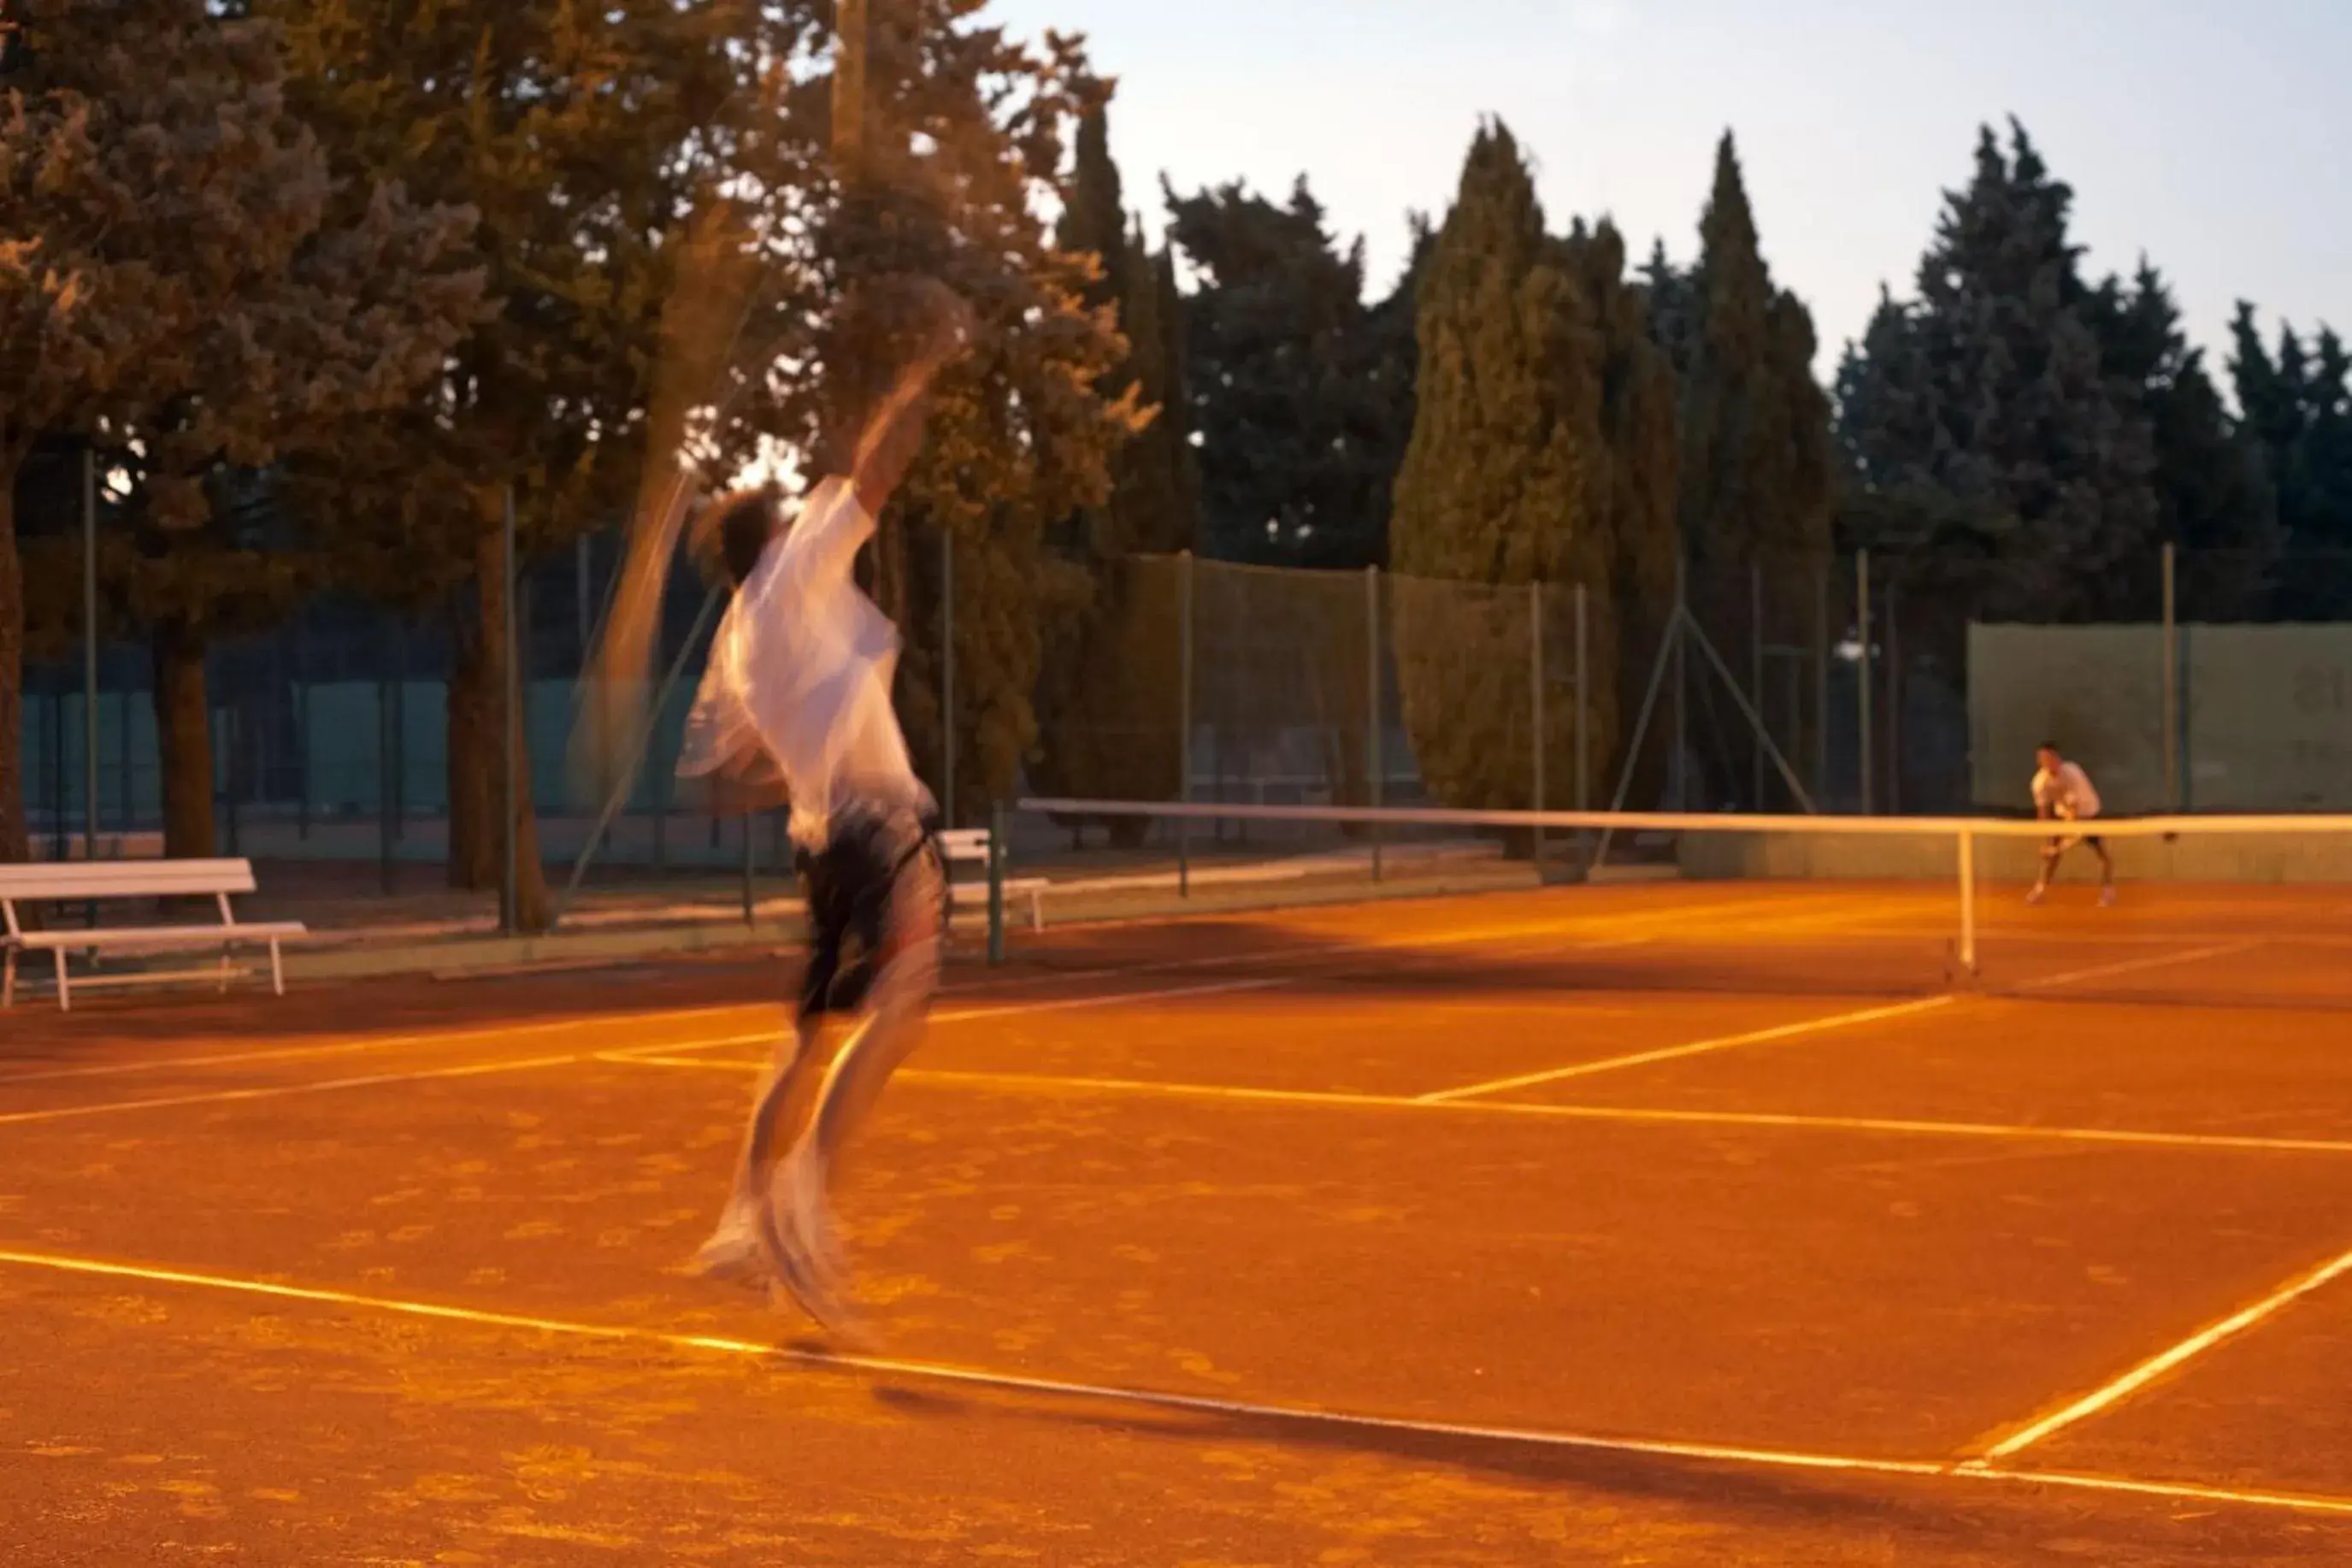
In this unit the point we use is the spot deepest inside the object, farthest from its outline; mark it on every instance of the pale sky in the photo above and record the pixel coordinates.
(2216, 135)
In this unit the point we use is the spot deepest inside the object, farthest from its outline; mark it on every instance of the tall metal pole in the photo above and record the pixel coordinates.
(1893, 698)
(1535, 705)
(1375, 746)
(1756, 672)
(89, 651)
(2171, 655)
(1861, 686)
(947, 676)
(1821, 682)
(1584, 713)
(1184, 720)
(507, 914)
(1678, 772)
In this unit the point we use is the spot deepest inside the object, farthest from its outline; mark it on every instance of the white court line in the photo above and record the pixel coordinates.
(1695, 1048)
(2155, 1366)
(375, 1043)
(1044, 1083)
(2133, 966)
(970, 1014)
(1286, 1414)
(280, 1091)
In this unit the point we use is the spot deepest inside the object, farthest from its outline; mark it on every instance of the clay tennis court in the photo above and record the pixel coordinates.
(1672, 1223)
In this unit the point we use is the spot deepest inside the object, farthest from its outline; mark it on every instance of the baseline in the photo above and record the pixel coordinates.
(1283, 1415)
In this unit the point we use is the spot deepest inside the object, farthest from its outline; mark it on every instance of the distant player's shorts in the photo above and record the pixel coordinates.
(2060, 845)
(867, 889)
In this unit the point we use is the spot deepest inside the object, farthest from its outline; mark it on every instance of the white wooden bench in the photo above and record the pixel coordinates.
(99, 882)
(969, 845)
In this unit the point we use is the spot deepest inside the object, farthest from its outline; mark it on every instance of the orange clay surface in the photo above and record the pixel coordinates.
(1661, 1225)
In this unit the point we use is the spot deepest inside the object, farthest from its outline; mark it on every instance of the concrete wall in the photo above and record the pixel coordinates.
(1713, 856)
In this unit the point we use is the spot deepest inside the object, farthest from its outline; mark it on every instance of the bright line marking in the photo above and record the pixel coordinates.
(280, 1091)
(1022, 1082)
(1696, 1047)
(1151, 1398)
(2133, 966)
(2155, 1366)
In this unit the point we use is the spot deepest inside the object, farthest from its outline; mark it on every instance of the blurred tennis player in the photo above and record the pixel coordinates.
(2063, 792)
(798, 692)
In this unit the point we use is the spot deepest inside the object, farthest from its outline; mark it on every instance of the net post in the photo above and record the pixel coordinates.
(947, 676)
(1861, 686)
(1000, 828)
(1376, 753)
(1184, 722)
(2171, 656)
(1536, 702)
(750, 856)
(89, 660)
(1967, 901)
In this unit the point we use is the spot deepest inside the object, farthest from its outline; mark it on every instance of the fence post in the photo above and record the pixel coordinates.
(387, 767)
(1584, 713)
(512, 686)
(1536, 736)
(1861, 625)
(89, 652)
(1821, 679)
(1677, 771)
(1375, 752)
(1894, 699)
(1756, 670)
(1185, 723)
(2171, 655)
(947, 676)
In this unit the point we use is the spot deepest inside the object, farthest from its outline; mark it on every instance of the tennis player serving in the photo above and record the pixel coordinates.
(2063, 792)
(799, 686)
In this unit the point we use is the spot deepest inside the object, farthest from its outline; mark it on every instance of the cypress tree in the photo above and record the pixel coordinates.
(1755, 471)
(1507, 480)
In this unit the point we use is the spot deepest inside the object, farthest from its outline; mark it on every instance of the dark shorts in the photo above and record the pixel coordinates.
(853, 887)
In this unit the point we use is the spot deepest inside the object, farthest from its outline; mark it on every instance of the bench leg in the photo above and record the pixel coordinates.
(65, 986)
(8, 978)
(276, 970)
(1037, 910)
(225, 971)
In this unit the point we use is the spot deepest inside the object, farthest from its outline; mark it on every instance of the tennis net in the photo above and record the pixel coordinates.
(2224, 911)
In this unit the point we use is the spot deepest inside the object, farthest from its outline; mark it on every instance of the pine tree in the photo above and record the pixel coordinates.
(2296, 411)
(1755, 471)
(2213, 496)
(1981, 416)
(224, 315)
(1291, 455)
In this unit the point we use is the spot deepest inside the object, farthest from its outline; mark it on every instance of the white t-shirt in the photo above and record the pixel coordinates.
(2066, 793)
(800, 669)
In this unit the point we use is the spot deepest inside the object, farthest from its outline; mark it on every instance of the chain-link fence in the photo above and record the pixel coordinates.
(1885, 684)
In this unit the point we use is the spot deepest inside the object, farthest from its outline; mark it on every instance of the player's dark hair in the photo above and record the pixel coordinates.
(2049, 746)
(743, 526)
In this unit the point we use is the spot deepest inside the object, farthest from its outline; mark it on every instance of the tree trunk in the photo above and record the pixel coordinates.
(14, 844)
(479, 686)
(184, 736)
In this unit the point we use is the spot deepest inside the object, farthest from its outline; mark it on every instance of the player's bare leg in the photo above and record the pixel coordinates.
(905, 980)
(735, 1250)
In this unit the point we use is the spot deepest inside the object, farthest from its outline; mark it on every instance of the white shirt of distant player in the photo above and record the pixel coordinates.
(800, 669)
(2066, 793)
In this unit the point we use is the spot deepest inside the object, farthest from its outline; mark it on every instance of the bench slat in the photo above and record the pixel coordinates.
(126, 879)
(155, 936)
